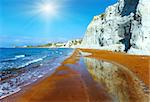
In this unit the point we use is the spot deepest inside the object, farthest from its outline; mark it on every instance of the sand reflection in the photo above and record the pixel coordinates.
(119, 81)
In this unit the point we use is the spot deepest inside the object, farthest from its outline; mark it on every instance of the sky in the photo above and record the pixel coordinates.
(34, 22)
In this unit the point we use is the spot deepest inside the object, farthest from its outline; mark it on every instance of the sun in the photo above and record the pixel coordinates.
(45, 9)
(48, 9)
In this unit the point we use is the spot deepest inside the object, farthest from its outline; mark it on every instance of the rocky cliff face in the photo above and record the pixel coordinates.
(125, 26)
(73, 43)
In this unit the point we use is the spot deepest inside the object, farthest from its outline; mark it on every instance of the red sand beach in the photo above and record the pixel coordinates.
(71, 82)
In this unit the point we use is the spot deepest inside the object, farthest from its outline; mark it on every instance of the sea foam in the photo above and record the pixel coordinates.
(31, 62)
(13, 59)
(19, 56)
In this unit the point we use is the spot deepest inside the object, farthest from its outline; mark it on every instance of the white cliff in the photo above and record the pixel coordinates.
(125, 26)
(69, 44)
(73, 43)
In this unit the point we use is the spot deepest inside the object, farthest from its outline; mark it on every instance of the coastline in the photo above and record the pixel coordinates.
(70, 80)
(50, 68)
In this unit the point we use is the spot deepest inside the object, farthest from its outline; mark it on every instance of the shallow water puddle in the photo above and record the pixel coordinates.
(105, 80)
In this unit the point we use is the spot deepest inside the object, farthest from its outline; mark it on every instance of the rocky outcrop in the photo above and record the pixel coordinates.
(125, 26)
(73, 43)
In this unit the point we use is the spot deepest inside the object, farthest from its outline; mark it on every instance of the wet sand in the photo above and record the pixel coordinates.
(140, 65)
(72, 82)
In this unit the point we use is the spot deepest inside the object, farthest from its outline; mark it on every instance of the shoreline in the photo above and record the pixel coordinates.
(31, 83)
(73, 59)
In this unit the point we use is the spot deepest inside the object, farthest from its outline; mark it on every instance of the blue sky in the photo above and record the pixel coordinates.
(21, 25)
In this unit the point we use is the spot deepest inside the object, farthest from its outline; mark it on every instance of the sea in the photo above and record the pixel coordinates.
(22, 66)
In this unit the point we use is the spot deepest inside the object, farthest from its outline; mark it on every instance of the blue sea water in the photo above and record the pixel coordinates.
(21, 57)
(21, 66)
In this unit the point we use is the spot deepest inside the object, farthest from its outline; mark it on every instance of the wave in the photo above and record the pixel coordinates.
(14, 85)
(19, 56)
(11, 92)
(31, 62)
(8, 60)
(13, 59)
